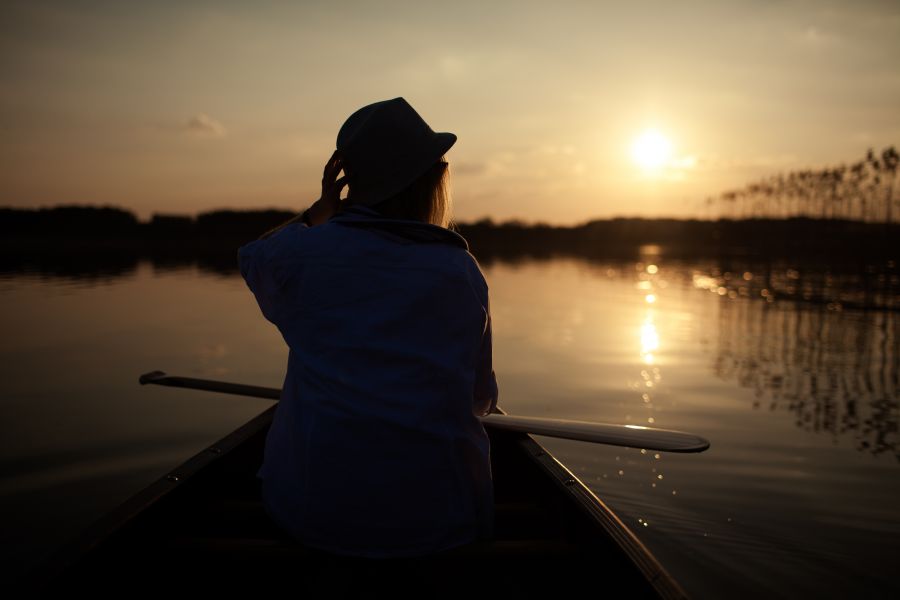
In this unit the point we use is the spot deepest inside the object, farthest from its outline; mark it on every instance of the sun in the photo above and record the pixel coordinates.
(651, 150)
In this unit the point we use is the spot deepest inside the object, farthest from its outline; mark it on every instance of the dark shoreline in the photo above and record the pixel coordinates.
(95, 229)
(833, 263)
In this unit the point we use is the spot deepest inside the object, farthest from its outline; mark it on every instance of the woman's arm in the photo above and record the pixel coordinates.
(486, 391)
(327, 205)
(301, 218)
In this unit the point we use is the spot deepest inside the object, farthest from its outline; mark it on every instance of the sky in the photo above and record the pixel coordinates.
(184, 107)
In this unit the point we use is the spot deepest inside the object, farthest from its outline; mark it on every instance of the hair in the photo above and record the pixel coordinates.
(427, 199)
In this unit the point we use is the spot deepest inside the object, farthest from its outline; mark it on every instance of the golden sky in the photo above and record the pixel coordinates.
(181, 107)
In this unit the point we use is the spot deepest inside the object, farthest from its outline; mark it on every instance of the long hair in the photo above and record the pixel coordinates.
(427, 199)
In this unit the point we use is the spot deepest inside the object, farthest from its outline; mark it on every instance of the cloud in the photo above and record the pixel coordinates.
(773, 161)
(203, 124)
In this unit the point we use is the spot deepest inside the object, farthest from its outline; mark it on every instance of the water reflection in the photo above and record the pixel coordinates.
(649, 340)
(91, 265)
(799, 344)
(791, 334)
(836, 372)
(836, 287)
(832, 367)
(649, 279)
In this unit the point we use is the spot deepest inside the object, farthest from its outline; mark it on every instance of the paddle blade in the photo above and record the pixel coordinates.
(632, 436)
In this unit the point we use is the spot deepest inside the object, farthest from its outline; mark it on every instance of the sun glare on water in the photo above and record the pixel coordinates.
(651, 150)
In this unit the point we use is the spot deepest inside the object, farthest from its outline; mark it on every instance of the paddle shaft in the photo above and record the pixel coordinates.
(633, 436)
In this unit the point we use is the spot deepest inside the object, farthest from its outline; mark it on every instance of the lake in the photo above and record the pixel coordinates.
(796, 497)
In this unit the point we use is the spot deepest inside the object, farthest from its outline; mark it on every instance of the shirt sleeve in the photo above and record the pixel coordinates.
(486, 391)
(263, 266)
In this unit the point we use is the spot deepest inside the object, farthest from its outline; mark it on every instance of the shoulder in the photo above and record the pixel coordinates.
(271, 245)
(298, 240)
(468, 270)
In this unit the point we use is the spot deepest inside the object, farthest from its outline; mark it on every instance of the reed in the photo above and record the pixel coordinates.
(862, 191)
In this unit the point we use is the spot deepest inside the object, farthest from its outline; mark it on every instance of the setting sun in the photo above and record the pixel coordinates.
(651, 150)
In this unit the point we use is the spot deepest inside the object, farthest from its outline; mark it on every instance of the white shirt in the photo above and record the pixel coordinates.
(376, 449)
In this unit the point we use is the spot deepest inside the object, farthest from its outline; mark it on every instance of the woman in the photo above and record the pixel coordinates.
(376, 449)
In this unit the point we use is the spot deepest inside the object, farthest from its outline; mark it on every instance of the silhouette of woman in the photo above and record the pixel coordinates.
(376, 449)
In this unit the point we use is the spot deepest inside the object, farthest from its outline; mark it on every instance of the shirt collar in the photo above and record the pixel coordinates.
(400, 229)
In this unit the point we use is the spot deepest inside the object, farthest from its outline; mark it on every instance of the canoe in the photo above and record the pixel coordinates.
(202, 529)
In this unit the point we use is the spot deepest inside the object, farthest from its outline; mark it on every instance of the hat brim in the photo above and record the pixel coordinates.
(446, 140)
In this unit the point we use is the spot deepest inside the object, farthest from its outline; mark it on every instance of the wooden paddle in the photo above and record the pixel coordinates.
(632, 436)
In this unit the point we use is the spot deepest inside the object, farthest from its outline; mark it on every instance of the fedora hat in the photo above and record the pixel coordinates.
(386, 146)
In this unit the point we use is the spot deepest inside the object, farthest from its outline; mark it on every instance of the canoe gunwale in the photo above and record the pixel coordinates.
(588, 502)
(115, 521)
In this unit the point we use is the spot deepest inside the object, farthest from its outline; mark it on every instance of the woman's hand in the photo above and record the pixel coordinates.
(330, 202)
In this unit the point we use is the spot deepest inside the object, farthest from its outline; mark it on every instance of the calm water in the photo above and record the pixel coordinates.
(797, 496)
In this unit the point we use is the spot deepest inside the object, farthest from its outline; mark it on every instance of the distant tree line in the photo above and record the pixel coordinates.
(835, 263)
(222, 231)
(110, 223)
(862, 191)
